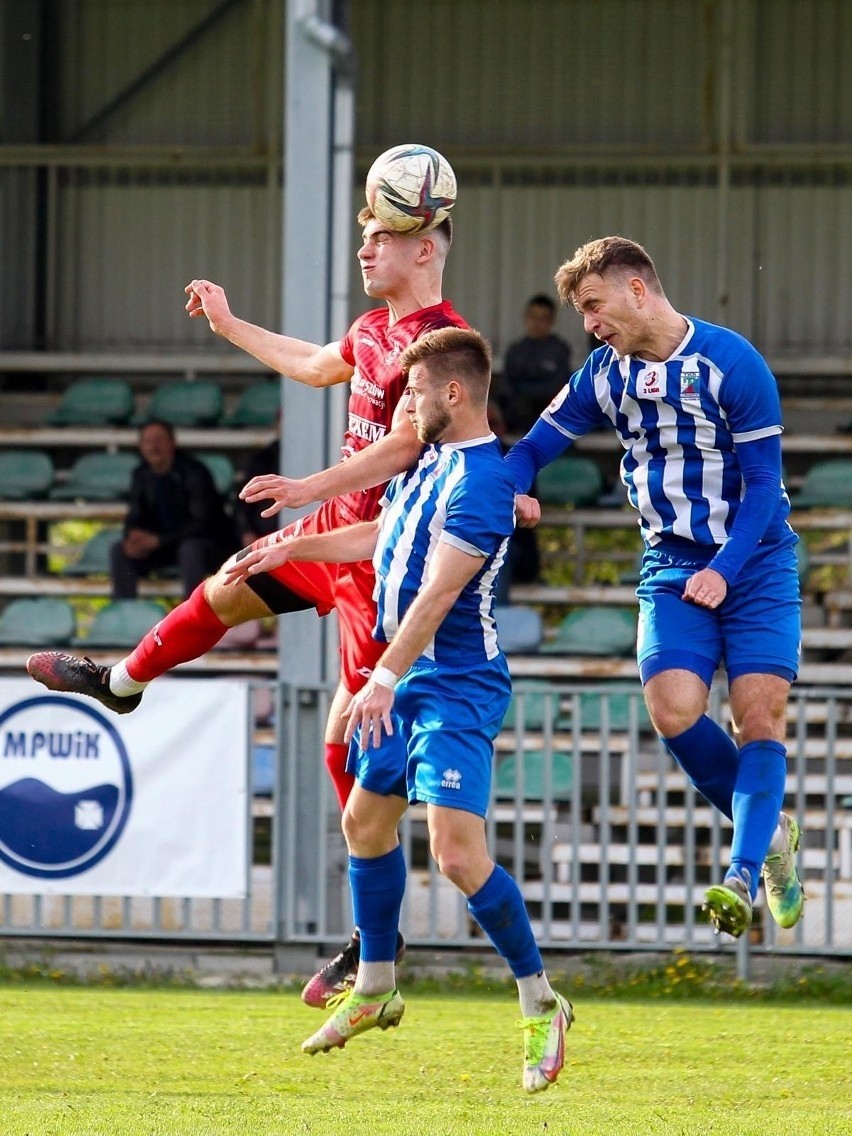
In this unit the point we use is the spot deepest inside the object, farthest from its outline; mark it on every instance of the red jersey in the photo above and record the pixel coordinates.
(373, 349)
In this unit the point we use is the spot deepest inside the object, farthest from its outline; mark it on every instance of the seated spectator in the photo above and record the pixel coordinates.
(247, 514)
(523, 562)
(537, 366)
(176, 517)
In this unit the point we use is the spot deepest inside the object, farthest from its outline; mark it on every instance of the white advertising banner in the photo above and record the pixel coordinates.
(152, 803)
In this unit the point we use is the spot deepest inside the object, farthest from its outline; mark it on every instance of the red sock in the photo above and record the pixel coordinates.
(185, 634)
(335, 763)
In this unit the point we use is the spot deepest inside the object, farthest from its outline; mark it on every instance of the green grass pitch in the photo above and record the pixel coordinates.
(87, 1061)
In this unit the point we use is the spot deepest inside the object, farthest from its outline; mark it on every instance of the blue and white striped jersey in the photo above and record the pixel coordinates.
(464, 494)
(679, 422)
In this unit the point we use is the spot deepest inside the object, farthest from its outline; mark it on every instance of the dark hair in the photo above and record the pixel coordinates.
(167, 426)
(606, 254)
(541, 300)
(452, 353)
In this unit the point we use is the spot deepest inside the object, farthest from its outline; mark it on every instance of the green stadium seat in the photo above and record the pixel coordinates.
(94, 402)
(518, 628)
(258, 405)
(535, 694)
(619, 699)
(533, 776)
(98, 477)
(569, 481)
(25, 474)
(122, 623)
(40, 622)
(595, 630)
(827, 484)
(94, 559)
(181, 403)
(631, 575)
(221, 470)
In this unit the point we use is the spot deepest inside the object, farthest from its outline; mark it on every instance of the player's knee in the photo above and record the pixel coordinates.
(365, 834)
(453, 868)
(454, 861)
(352, 828)
(673, 707)
(671, 716)
(761, 723)
(671, 721)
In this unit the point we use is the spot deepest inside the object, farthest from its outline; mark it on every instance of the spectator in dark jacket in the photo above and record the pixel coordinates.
(176, 517)
(537, 366)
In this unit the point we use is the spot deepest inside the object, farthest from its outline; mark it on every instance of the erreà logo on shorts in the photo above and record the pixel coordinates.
(65, 787)
(451, 779)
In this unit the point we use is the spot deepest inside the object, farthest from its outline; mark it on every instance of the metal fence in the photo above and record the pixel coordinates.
(611, 846)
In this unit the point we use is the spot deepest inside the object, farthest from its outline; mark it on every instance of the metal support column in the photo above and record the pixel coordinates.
(314, 46)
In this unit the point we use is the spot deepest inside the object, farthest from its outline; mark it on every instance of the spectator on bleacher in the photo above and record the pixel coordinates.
(536, 366)
(697, 412)
(176, 517)
(248, 515)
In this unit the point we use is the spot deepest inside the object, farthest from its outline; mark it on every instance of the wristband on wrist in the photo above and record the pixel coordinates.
(384, 676)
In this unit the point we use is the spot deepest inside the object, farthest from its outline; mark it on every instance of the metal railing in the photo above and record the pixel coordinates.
(611, 846)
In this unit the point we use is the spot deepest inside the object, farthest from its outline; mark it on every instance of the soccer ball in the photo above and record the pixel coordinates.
(411, 188)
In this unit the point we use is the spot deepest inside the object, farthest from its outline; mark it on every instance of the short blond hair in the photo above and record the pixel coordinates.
(606, 254)
(444, 230)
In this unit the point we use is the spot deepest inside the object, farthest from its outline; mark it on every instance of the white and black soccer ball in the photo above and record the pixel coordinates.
(411, 188)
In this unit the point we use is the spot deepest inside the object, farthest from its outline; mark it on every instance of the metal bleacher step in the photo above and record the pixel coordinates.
(649, 785)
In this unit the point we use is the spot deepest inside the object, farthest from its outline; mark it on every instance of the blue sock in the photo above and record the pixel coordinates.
(758, 796)
(709, 758)
(498, 908)
(377, 886)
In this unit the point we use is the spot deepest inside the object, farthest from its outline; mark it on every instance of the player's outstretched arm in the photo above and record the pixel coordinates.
(308, 363)
(374, 465)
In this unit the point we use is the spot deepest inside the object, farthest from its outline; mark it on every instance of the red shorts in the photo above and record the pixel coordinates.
(346, 588)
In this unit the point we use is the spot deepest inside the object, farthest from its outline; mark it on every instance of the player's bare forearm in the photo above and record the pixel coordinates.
(374, 465)
(377, 463)
(287, 356)
(308, 363)
(340, 546)
(451, 569)
(371, 707)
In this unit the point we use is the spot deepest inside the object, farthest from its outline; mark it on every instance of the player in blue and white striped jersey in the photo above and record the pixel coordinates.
(697, 411)
(460, 494)
(423, 727)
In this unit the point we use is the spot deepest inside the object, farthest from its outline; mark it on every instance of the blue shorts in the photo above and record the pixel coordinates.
(755, 630)
(445, 720)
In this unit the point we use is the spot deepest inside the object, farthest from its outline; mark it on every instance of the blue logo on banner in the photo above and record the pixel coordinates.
(65, 787)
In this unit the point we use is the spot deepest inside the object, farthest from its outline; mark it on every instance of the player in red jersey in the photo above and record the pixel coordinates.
(406, 271)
